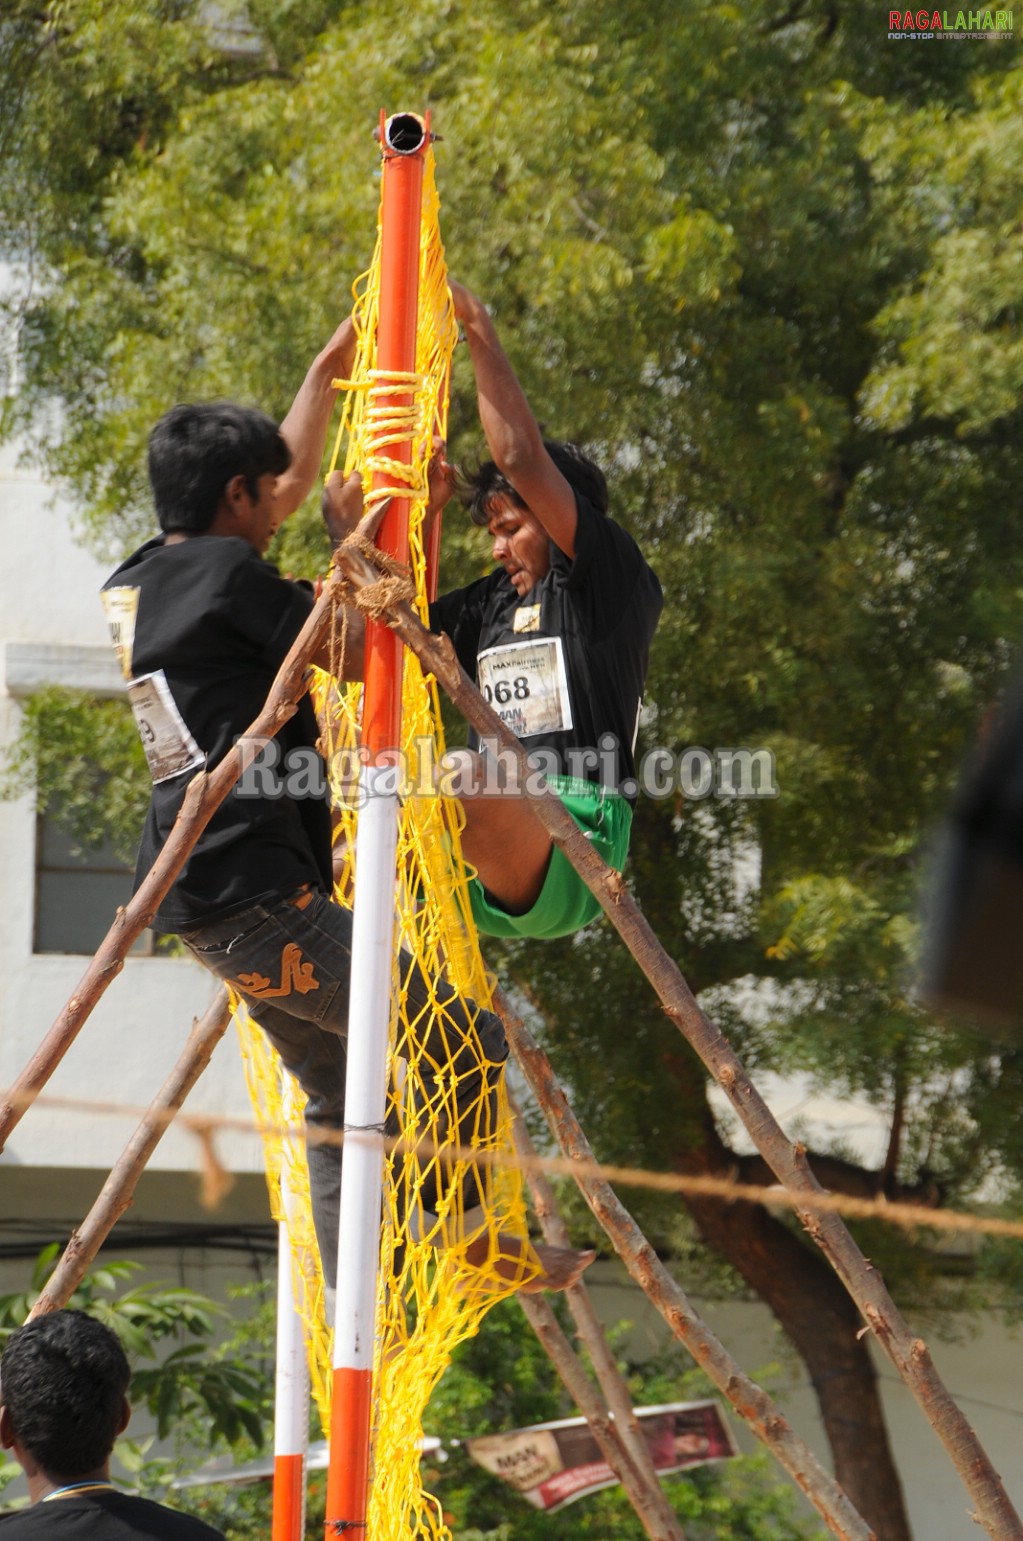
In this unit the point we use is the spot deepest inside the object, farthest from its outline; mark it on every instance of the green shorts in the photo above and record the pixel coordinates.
(564, 904)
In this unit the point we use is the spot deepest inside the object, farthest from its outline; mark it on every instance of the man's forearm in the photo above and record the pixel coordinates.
(305, 427)
(511, 430)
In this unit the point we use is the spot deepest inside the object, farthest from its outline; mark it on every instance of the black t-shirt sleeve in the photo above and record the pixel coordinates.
(267, 610)
(448, 611)
(460, 614)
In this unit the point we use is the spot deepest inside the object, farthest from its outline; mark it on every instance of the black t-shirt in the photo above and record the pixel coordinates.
(202, 626)
(582, 692)
(103, 1516)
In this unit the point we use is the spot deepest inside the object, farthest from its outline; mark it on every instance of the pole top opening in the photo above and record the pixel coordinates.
(405, 133)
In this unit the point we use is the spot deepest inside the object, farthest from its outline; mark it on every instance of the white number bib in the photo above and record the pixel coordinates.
(170, 748)
(122, 608)
(526, 684)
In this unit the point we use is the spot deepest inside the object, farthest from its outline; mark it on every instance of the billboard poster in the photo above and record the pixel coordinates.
(552, 1464)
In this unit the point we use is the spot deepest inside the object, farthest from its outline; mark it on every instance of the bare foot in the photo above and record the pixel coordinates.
(511, 1260)
(560, 1268)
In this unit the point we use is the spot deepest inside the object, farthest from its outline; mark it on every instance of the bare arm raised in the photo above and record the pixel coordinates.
(305, 427)
(511, 430)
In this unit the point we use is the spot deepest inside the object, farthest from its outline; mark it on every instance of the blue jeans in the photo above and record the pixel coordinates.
(291, 962)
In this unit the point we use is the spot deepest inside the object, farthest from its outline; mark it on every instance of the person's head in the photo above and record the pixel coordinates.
(521, 544)
(63, 1393)
(582, 474)
(199, 455)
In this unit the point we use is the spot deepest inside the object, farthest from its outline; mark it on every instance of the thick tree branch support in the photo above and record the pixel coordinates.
(118, 1191)
(619, 1435)
(206, 791)
(602, 1426)
(908, 1353)
(764, 1417)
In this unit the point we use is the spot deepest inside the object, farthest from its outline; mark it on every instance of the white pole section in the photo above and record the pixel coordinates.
(291, 1403)
(362, 1167)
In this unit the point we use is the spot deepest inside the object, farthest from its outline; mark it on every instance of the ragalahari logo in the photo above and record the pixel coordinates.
(927, 26)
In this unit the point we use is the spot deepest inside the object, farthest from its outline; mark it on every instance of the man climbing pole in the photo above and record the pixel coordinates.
(201, 624)
(557, 639)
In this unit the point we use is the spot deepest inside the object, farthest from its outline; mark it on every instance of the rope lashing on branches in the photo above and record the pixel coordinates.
(376, 598)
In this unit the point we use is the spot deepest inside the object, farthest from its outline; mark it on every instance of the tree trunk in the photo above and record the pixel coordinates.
(753, 1404)
(824, 1325)
(806, 1297)
(802, 1291)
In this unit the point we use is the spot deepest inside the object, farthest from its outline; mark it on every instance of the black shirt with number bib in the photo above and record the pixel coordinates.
(201, 627)
(564, 665)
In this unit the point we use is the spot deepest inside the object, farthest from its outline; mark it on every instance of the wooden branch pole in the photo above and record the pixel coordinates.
(206, 791)
(763, 1416)
(908, 1353)
(119, 1189)
(584, 1394)
(638, 1474)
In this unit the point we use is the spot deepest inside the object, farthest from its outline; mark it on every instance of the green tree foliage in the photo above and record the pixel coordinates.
(765, 265)
(85, 761)
(203, 1396)
(220, 1400)
(502, 1379)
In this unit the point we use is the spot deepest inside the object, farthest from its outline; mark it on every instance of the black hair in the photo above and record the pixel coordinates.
(582, 474)
(63, 1380)
(195, 450)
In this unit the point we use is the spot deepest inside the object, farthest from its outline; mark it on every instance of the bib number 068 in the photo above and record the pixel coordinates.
(507, 690)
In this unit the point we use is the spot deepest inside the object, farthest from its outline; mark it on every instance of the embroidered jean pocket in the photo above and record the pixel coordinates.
(225, 941)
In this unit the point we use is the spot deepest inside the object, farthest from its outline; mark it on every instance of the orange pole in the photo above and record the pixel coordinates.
(291, 1380)
(401, 207)
(288, 1517)
(404, 139)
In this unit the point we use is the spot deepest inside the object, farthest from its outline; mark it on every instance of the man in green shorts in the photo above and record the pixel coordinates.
(557, 638)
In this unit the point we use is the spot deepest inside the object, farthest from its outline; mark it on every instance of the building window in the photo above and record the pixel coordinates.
(78, 891)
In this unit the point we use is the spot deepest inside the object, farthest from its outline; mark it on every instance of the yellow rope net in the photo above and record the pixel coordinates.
(432, 1296)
